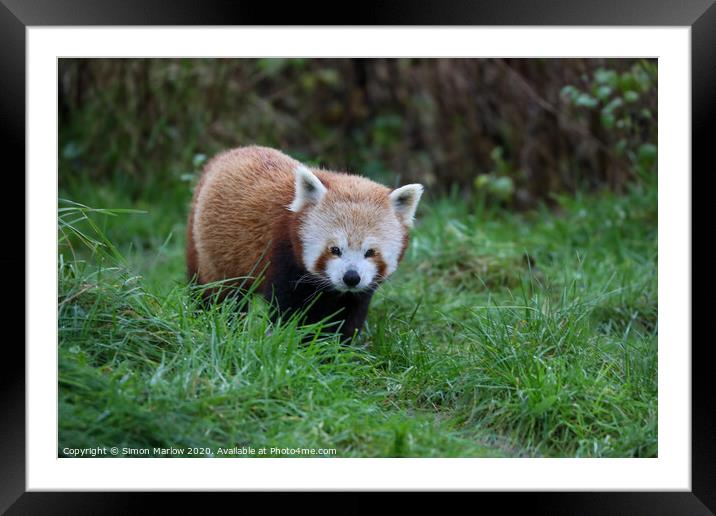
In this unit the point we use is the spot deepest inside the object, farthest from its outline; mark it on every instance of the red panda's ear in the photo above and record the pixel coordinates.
(405, 201)
(308, 189)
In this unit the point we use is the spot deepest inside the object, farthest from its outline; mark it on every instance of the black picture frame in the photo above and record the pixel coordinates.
(17, 15)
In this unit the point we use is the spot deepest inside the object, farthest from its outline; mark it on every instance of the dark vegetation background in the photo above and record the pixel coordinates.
(522, 321)
(532, 127)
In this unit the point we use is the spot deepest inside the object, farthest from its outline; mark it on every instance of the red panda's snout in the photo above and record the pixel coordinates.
(352, 270)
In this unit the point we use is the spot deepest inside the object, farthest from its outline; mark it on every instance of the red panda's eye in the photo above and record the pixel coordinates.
(336, 251)
(370, 253)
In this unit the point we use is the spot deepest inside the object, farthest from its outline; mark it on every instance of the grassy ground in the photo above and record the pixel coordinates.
(500, 335)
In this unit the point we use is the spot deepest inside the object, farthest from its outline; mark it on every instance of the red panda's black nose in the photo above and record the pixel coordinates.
(351, 278)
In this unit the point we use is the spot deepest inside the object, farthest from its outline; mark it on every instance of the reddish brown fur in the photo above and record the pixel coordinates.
(381, 266)
(322, 260)
(231, 223)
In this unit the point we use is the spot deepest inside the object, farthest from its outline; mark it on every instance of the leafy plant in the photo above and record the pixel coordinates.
(626, 105)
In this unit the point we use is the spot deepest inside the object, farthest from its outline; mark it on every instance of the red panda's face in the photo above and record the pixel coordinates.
(352, 235)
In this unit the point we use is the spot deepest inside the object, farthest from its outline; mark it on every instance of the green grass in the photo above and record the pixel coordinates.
(500, 335)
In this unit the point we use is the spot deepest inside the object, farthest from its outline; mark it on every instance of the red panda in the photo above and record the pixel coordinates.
(310, 230)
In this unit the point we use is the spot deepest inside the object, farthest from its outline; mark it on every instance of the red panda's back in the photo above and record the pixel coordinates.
(241, 195)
